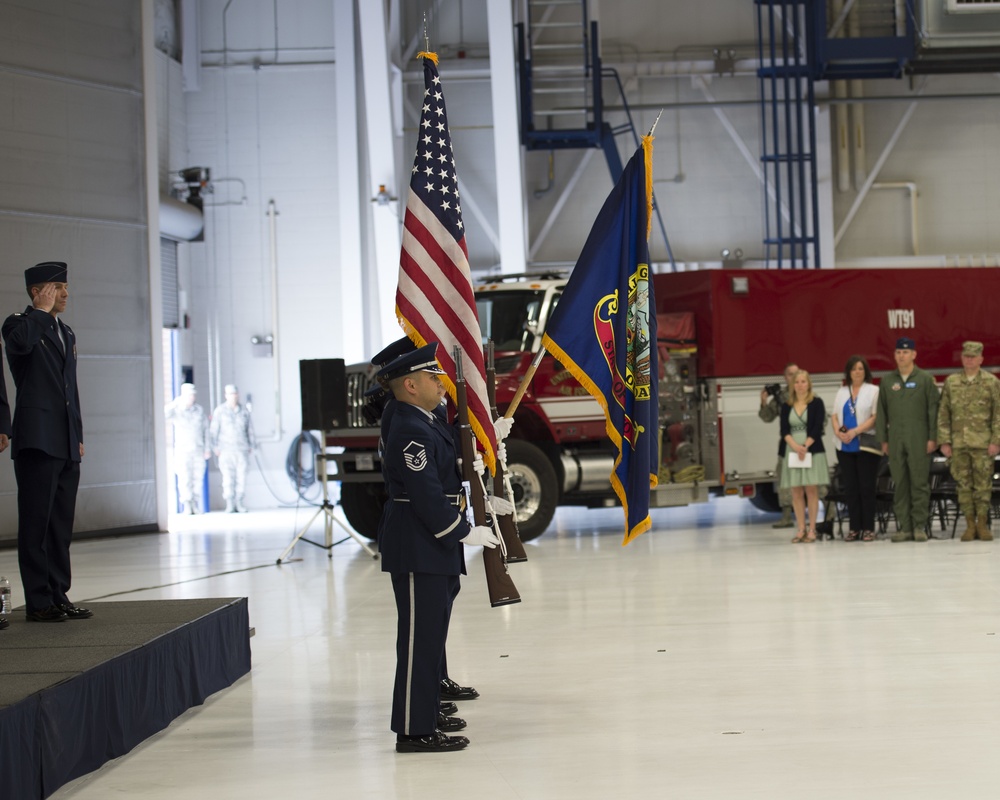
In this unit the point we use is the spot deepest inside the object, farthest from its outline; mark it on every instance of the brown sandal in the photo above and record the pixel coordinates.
(801, 537)
(810, 538)
(868, 536)
(852, 536)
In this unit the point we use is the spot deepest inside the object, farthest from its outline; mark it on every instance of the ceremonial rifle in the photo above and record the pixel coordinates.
(498, 582)
(508, 522)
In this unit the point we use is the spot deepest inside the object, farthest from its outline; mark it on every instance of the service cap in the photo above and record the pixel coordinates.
(392, 351)
(420, 360)
(972, 348)
(45, 272)
(905, 343)
(231, 388)
(187, 388)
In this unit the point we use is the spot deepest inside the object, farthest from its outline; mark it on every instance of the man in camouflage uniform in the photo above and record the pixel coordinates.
(190, 446)
(968, 430)
(232, 441)
(770, 409)
(905, 425)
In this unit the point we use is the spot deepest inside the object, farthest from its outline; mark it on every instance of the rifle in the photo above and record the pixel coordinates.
(508, 522)
(498, 582)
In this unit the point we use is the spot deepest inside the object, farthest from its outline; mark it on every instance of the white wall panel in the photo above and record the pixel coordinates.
(276, 129)
(73, 189)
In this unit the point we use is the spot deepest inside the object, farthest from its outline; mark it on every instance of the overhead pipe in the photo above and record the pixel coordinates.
(272, 227)
(886, 151)
(841, 114)
(857, 90)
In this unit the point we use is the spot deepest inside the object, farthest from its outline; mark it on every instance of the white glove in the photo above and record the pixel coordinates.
(502, 454)
(481, 535)
(478, 465)
(500, 506)
(502, 427)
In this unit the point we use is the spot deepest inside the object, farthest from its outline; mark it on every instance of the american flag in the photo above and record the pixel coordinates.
(434, 297)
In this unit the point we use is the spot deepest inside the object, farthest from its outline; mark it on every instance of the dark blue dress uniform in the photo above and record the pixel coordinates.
(381, 406)
(47, 434)
(420, 546)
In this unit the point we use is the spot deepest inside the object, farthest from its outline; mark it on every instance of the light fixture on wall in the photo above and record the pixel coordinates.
(193, 185)
(382, 197)
(263, 346)
(732, 259)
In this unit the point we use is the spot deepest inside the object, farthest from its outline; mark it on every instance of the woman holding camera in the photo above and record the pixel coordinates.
(805, 468)
(859, 456)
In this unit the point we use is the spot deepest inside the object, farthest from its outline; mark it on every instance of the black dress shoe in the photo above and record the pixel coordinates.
(75, 612)
(449, 724)
(448, 709)
(4, 623)
(452, 691)
(50, 614)
(436, 742)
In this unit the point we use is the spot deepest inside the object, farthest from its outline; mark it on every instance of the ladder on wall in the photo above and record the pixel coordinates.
(562, 82)
(788, 134)
(800, 42)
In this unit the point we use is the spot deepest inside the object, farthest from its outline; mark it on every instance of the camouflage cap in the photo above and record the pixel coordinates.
(972, 348)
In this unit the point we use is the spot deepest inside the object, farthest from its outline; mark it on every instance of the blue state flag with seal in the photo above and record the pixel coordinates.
(604, 332)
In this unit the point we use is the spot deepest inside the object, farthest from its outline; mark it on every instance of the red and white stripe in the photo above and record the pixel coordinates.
(435, 302)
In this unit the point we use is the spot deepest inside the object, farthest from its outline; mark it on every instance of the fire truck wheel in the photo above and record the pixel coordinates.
(536, 490)
(362, 504)
(766, 499)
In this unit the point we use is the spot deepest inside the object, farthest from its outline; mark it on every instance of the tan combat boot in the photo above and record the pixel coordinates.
(786, 520)
(983, 525)
(971, 529)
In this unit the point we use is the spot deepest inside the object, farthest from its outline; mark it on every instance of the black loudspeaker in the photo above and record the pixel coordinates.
(324, 394)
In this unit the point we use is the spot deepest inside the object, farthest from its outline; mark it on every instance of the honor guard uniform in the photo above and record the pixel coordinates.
(421, 538)
(5, 434)
(378, 409)
(47, 442)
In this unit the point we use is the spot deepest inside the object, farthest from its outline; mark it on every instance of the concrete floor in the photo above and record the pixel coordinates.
(710, 658)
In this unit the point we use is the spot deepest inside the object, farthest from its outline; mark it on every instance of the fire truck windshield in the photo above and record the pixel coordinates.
(510, 318)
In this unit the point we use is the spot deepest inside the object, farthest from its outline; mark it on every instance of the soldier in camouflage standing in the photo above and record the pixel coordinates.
(770, 409)
(968, 430)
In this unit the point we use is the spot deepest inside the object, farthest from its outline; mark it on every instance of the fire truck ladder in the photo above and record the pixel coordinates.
(561, 82)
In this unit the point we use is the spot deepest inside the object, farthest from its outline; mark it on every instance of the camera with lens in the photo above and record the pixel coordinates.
(774, 389)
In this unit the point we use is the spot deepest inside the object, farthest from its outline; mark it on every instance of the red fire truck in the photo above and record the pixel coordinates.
(723, 336)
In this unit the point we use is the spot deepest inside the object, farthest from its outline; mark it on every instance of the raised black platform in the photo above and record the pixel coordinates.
(76, 694)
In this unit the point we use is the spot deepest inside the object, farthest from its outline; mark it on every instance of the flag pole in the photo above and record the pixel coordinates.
(655, 121)
(525, 381)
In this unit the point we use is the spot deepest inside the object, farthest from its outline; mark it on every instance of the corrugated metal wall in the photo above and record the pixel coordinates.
(71, 111)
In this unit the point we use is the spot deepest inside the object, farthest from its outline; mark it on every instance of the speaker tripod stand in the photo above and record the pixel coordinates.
(326, 509)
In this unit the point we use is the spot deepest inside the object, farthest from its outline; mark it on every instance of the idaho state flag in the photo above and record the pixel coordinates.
(604, 332)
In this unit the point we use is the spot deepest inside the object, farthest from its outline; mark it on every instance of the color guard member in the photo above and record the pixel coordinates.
(420, 539)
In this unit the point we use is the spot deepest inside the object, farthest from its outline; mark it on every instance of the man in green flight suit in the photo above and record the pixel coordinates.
(968, 429)
(906, 424)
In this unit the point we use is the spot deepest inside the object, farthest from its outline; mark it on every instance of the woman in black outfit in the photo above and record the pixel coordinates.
(853, 414)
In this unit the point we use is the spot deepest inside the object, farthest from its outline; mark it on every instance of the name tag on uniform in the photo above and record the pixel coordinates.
(911, 385)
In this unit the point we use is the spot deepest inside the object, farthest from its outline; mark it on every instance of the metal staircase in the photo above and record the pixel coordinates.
(562, 86)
